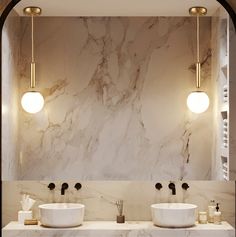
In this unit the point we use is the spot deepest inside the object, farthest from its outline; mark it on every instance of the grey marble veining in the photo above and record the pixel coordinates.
(115, 91)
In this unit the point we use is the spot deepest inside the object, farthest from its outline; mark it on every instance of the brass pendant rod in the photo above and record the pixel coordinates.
(198, 11)
(198, 64)
(198, 26)
(32, 37)
(32, 73)
(32, 11)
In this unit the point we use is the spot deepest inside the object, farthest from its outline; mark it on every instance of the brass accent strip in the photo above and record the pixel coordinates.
(31, 222)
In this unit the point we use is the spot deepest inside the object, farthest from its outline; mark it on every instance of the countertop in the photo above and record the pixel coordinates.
(112, 229)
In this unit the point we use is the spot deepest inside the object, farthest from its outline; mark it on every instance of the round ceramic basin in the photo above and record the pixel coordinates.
(61, 214)
(173, 214)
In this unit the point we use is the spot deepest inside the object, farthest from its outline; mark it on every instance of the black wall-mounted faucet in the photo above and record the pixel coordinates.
(64, 186)
(51, 186)
(185, 186)
(158, 186)
(172, 187)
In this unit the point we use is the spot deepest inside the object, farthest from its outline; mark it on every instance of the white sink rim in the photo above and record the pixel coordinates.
(174, 206)
(174, 215)
(61, 206)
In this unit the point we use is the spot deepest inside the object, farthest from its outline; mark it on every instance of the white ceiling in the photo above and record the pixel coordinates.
(117, 7)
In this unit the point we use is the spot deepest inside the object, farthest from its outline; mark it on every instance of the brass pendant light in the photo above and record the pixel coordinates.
(32, 101)
(198, 101)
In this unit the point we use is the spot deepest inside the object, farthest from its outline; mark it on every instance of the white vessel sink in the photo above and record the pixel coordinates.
(173, 214)
(61, 214)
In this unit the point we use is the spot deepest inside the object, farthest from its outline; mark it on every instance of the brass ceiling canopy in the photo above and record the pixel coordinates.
(32, 11)
(197, 11)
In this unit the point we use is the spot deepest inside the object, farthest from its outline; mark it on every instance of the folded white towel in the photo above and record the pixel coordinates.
(225, 177)
(225, 87)
(225, 166)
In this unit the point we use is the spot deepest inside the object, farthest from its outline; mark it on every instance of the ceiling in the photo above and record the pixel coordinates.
(117, 7)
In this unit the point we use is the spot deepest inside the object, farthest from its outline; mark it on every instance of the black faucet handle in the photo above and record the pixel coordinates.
(51, 186)
(158, 186)
(185, 186)
(65, 186)
(78, 186)
(172, 187)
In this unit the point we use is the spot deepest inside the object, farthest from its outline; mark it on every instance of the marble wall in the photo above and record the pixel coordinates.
(10, 98)
(99, 197)
(115, 91)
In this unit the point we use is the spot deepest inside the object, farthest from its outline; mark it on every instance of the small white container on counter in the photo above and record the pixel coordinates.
(24, 215)
(202, 217)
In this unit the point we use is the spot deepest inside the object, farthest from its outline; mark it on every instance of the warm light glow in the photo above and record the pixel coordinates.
(198, 102)
(32, 102)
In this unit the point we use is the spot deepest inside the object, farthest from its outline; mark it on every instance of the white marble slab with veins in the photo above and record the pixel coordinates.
(112, 229)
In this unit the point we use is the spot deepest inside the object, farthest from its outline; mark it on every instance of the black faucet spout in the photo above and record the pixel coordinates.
(64, 186)
(172, 187)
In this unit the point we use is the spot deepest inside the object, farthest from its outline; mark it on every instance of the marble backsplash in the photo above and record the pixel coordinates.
(115, 91)
(99, 197)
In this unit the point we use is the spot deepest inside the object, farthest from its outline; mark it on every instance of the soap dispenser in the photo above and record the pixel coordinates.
(211, 211)
(217, 215)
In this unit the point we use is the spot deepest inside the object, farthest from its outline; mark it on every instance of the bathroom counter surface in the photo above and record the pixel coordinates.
(112, 229)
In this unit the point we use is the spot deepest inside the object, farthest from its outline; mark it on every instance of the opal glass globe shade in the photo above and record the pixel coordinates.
(198, 102)
(32, 102)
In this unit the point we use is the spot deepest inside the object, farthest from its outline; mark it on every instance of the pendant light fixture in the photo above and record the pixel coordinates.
(32, 101)
(198, 101)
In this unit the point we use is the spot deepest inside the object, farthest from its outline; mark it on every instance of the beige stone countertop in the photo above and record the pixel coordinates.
(112, 229)
(112, 225)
